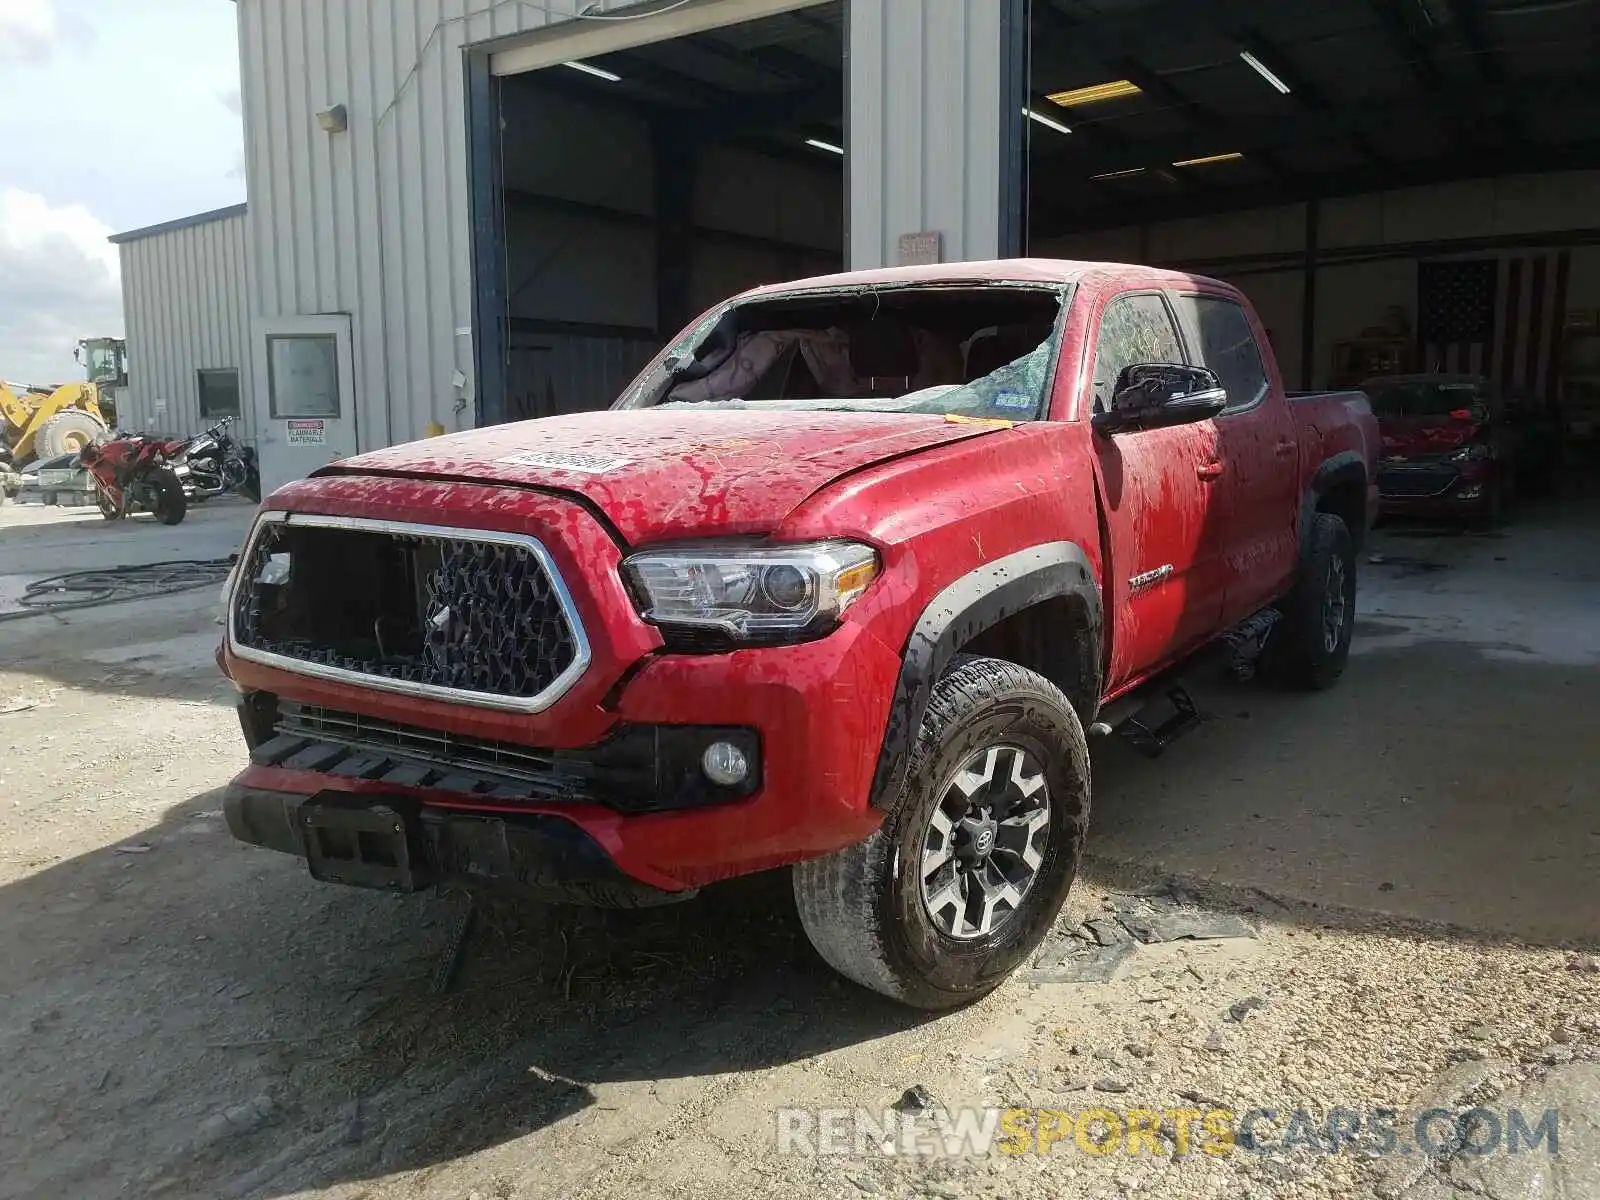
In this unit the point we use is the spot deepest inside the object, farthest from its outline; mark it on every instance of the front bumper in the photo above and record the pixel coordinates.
(541, 857)
(1436, 489)
(816, 711)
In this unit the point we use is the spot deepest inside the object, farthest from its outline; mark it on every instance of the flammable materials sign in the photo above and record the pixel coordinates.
(306, 432)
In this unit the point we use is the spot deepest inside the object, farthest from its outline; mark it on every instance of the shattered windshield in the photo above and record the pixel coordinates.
(982, 352)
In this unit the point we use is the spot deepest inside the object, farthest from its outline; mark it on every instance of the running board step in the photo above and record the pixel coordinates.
(1149, 736)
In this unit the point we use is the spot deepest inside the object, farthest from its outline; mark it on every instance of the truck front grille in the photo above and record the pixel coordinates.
(476, 616)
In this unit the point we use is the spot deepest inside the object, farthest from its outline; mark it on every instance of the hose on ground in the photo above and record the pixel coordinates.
(113, 585)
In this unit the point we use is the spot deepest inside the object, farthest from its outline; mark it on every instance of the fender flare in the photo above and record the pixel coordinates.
(1347, 466)
(977, 601)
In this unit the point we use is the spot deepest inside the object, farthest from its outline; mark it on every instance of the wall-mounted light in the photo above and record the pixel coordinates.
(819, 144)
(333, 120)
(1266, 72)
(1123, 174)
(591, 69)
(1047, 122)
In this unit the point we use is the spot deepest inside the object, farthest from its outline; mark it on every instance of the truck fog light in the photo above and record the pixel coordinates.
(1470, 493)
(724, 764)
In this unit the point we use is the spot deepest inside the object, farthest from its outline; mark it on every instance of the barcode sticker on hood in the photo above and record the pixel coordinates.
(565, 460)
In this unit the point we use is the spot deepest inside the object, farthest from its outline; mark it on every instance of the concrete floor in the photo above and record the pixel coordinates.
(1452, 776)
(173, 635)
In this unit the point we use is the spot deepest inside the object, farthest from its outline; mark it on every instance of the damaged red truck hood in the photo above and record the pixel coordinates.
(674, 473)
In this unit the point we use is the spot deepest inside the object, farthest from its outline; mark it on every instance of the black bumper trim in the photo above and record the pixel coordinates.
(636, 769)
(539, 856)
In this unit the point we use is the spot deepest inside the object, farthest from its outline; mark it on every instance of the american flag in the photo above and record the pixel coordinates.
(1497, 317)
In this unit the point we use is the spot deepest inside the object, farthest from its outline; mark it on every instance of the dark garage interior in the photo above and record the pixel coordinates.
(1399, 185)
(640, 187)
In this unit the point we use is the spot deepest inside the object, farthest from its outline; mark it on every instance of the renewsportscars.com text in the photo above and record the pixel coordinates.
(1133, 1131)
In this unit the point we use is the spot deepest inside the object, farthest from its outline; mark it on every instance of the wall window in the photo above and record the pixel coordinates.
(1133, 329)
(303, 375)
(219, 393)
(1222, 334)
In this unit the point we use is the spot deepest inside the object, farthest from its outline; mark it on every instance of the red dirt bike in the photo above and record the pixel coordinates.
(134, 473)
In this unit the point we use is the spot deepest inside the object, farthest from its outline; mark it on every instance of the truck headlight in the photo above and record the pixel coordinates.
(1470, 453)
(750, 592)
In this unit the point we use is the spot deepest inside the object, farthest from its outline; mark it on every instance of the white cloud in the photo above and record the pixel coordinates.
(61, 283)
(28, 30)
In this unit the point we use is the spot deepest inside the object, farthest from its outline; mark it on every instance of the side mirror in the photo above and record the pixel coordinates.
(1155, 395)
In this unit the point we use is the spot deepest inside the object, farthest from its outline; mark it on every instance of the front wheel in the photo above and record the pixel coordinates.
(974, 859)
(112, 505)
(168, 502)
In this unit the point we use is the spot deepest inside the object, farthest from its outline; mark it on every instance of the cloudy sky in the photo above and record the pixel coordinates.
(113, 114)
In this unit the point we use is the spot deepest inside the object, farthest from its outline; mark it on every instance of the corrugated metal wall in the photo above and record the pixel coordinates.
(185, 299)
(925, 84)
(375, 221)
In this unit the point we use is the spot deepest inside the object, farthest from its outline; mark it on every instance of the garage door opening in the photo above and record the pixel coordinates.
(636, 188)
(1400, 186)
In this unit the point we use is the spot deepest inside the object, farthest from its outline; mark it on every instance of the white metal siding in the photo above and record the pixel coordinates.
(924, 127)
(185, 302)
(375, 221)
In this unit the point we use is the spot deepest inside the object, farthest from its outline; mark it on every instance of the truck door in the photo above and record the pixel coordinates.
(1161, 576)
(1257, 451)
(304, 395)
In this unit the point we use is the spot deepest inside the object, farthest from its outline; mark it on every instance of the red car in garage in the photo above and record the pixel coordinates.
(1446, 451)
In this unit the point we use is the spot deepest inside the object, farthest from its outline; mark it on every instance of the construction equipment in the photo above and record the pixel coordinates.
(42, 422)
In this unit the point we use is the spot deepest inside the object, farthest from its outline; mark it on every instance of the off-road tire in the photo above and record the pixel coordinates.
(863, 907)
(169, 504)
(1298, 650)
(68, 432)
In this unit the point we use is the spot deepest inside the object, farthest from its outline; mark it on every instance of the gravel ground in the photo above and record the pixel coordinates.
(184, 1016)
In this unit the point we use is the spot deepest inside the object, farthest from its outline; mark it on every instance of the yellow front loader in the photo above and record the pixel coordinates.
(40, 423)
(45, 422)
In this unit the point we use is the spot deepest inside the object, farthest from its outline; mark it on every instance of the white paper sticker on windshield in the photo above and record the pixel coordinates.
(1016, 400)
(565, 460)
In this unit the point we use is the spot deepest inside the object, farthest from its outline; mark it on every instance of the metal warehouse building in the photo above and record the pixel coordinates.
(467, 211)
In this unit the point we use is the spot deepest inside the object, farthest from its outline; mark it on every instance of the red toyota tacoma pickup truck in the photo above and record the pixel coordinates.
(840, 582)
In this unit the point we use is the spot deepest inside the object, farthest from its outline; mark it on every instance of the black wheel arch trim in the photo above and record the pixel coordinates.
(977, 601)
(1347, 466)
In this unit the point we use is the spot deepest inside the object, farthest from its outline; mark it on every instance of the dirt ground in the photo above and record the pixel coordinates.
(1415, 852)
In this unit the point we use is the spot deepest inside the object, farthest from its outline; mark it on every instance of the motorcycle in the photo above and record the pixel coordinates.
(213, 464)
(133, 473)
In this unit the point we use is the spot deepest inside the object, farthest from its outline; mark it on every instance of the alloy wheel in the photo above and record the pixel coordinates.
(1334, 605)
(985, 842)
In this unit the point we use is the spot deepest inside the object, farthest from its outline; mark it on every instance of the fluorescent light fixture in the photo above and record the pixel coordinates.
(1205, 160)
(819, 144)
(1094, 93)
(1261, 69)
(1045, 121)
(1120, 174)
(591, 69)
